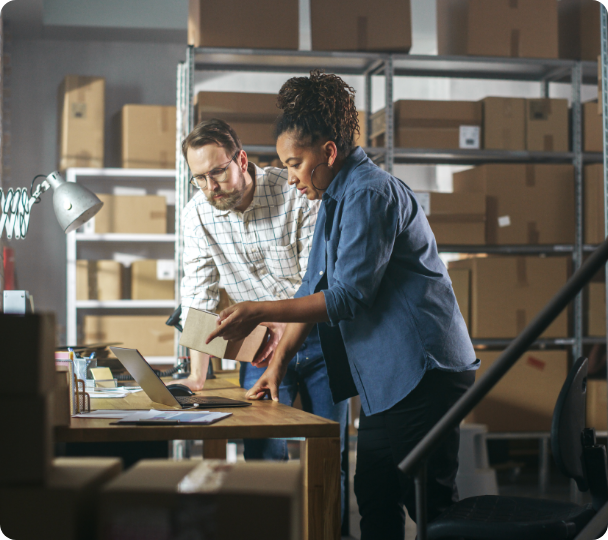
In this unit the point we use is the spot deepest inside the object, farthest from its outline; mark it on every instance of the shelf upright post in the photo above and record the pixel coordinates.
(577, 149)
(389, 155)
(604, 97)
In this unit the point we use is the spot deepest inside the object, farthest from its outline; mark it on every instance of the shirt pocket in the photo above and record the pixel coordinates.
(282, 261)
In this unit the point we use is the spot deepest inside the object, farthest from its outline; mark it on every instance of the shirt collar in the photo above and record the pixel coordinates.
(258, 194)
(339, 184)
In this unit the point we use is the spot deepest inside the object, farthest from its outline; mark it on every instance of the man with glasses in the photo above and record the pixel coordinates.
(249, 232)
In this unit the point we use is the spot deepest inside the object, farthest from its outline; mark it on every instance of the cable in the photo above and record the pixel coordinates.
(32, 187)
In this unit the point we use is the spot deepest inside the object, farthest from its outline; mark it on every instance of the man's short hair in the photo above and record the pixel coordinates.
(212, 131)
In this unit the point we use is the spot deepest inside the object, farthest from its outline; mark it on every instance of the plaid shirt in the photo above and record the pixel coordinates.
(259, 254)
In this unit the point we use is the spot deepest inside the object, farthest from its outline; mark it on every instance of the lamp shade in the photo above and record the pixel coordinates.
(74, 204)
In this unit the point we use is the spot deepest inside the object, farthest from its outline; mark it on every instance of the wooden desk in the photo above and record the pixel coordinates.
(320, 455)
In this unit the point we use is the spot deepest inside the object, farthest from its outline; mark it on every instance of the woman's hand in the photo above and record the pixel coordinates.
(268, 383)
(237, 321)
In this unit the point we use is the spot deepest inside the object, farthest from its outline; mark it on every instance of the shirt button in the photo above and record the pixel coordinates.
(321, 273)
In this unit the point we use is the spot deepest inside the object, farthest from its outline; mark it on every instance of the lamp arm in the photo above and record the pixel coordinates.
(15, 207)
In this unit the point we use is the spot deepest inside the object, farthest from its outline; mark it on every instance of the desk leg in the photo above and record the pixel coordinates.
(321, 461)
(214, 448)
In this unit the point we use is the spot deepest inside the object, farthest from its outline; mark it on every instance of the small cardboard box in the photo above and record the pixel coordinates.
(579, 29)
(525, 398)
(194, 499)
(596, 306)
(206, 28)
(455, 218)
(381, 26)
(153, 279)
(526, 204)
(430, 124)
(504, 123)
(146, 214)
(597, 404)
(594, 204)
(251, 115)
(148, 137)
(461, 283)
(81, 121)
(593, 128)
(547, 125)
(508, 292)
(519, 29)
(200, 324)
(98, 280)
(28, 350)
(65, 508)
(147, 333)
(27, 449)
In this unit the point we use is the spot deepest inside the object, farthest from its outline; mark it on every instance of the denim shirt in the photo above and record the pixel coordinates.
(392, 310)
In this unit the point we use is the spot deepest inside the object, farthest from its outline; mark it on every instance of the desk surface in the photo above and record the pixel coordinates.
(263, 419)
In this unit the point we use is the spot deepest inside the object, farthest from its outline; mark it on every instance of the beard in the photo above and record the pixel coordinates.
(230, 199)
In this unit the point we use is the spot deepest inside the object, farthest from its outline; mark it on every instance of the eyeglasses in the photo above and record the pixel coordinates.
(216, 175)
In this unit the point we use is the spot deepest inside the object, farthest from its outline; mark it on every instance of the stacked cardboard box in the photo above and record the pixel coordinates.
(504, 123)
(207, 24)
(594, 204)
(593, 128)
(382, 25)
(461, 283)
(506, 293)
(147, 333)
(525, 398)
(81, 121)
(431, 124)
(187, 499)
(153, 279)
(596, 309)
(148, 137)
(547, 125)
(597, 404)
(146, 214)
(456, 218)
(99, 280)
(579, 29)
(526, 204)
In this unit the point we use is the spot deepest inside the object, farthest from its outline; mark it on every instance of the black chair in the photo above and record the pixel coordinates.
(577, 456)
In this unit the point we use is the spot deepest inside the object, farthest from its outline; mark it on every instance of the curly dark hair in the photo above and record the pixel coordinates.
(317, 107)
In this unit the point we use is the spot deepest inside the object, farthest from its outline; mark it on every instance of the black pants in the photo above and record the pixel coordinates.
(387, 437)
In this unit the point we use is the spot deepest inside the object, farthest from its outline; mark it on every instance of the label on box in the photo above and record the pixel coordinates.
(470, 137)
(168, 194)
(504, 221)
(129, 191)
(165, 270)
(424, 200)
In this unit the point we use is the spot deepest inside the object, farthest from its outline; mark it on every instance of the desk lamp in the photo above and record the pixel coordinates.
(74, 205)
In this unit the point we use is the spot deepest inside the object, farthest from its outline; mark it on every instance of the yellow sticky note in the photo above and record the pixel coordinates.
(103, 377)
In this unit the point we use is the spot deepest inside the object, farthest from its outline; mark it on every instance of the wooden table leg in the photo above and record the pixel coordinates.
(214, 448)
(320, 458)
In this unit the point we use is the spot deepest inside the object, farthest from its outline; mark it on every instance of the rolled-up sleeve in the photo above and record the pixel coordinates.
(368, 228)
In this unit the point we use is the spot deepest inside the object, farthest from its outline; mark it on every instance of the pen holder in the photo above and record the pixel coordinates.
(83, 400)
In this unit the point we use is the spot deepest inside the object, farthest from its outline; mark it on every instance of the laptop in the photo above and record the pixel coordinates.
(156, 390)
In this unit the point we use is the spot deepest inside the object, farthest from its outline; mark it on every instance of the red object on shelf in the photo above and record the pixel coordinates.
(8, 257)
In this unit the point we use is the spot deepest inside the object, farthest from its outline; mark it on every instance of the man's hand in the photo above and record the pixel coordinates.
(236, 322)
(264, 356)
(268, 384)
(199, 364)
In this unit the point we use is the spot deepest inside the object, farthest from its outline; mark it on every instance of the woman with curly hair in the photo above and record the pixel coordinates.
(393, 332)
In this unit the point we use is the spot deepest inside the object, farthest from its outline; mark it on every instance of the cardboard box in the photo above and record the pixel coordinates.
(594, 204)
(526, 204)
(361, 138)
(525, 398)
(131, 214)
(27, 450)
(504, 123)
(508, 292)
(252, 116)
(461, 283)
(429, 124)
(597, 404)
(593, 128)
(81, 121)
(147, 333)
(153, 280)
(579, 29)
(547, 125)
(28, 352)
(200, 324)
(519, 29)
(207, 28)
(98, 280)
(382, 26)
(156, 495)
(456, 218)
(148, 137)
(65, 508)
(596, 306)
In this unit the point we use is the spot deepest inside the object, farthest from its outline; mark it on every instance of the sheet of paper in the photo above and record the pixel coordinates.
(183, 417)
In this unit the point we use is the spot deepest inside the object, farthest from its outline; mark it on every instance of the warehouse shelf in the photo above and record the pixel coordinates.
(123, 237)
(116, 173)
(125, 304)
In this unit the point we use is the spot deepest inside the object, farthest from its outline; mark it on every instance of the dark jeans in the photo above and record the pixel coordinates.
(387, 437)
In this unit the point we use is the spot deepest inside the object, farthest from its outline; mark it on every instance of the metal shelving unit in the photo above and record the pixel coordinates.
(98, 246)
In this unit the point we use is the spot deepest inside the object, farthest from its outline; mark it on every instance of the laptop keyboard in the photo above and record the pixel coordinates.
(185, 400)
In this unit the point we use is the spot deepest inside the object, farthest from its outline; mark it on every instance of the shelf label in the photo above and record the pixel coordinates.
(165, 270)
(504, 221)
(470, 137)
(424, 200)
